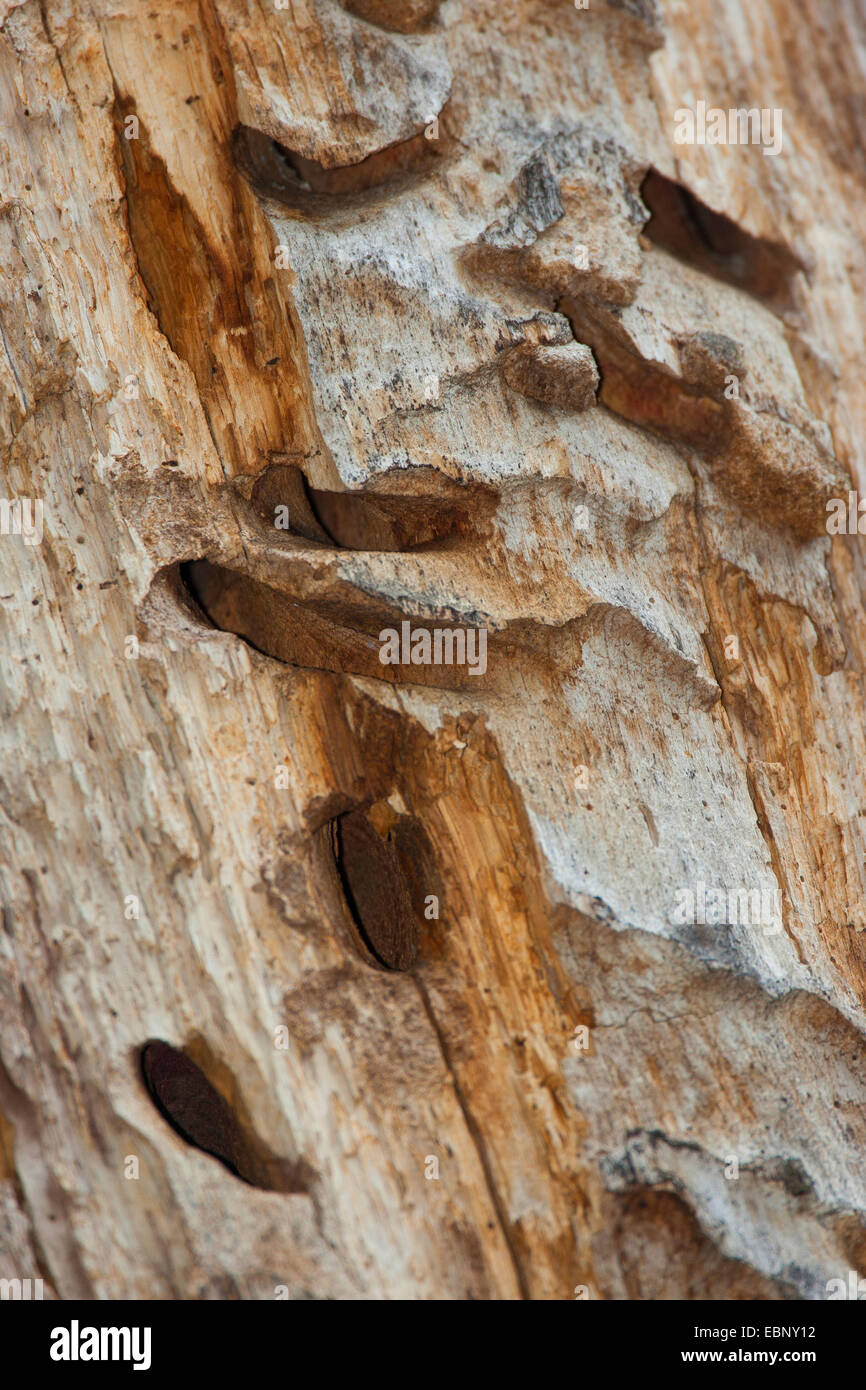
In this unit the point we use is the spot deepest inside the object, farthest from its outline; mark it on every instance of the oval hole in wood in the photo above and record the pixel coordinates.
(376, 889)
(196, 1110)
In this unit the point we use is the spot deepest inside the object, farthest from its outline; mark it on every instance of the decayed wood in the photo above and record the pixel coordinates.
(348, 980)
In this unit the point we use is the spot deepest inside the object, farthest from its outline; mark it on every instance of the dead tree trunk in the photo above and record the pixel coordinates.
(502, 341)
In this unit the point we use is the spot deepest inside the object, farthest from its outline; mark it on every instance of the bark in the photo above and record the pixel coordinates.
(324, 978)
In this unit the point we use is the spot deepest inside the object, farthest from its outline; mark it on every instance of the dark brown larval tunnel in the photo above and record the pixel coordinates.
(376, 889)
(205, 1118)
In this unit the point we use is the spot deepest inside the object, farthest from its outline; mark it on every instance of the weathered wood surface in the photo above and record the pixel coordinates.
(392, 267)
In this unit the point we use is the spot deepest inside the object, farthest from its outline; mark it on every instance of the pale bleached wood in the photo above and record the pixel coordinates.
(191, 320)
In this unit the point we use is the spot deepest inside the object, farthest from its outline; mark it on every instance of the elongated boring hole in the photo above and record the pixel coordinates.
(713, 243)
(375, 885)
(201, 1115)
